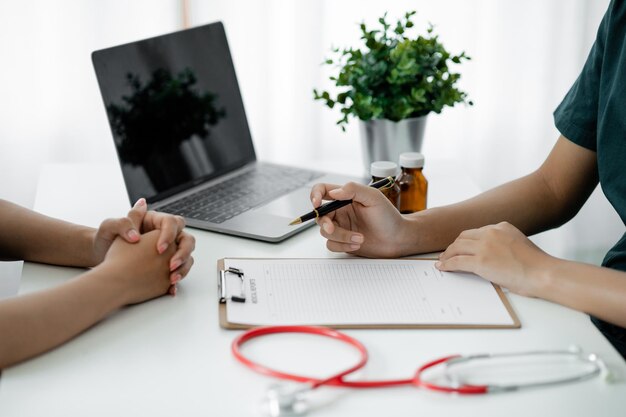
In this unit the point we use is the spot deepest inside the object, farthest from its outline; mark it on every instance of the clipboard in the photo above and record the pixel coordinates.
(226, 295)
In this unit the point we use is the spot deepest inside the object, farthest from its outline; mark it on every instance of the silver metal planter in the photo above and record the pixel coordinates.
(384, 140)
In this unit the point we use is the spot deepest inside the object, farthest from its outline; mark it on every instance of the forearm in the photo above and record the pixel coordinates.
(528, 203)
(31, 236)
(597, 291)
(547, 198)
(35, 323)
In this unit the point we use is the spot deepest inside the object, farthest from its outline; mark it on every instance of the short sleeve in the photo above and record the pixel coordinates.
(577, 115)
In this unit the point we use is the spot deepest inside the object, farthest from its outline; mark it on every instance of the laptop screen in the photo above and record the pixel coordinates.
(175, 110)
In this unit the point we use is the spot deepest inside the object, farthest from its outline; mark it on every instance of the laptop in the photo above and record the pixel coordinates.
(183, 141)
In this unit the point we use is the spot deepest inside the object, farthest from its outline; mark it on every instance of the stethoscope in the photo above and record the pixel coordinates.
(284, 400)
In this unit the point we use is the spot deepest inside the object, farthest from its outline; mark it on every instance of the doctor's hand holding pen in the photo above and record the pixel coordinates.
(370, 226)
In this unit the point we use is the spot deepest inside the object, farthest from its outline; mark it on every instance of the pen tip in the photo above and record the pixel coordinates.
(296, 221)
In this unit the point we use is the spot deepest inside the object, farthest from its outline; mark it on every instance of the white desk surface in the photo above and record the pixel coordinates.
(169, 357)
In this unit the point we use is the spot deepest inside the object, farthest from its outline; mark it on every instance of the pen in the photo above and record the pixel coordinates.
(331, 206)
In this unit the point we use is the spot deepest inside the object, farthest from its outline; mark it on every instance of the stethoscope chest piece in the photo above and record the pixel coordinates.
(285, 400)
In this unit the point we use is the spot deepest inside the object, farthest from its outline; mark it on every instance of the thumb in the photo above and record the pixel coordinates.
(138, 212)
(359, 193)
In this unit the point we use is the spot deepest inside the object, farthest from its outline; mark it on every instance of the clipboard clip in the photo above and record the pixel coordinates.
(241, 298)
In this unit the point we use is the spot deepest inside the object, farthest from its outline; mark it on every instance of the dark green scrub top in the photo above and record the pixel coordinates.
(593, 115)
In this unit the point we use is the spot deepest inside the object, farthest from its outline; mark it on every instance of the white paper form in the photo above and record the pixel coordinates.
(360, 291)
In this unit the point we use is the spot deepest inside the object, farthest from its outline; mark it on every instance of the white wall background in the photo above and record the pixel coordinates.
(526, 54)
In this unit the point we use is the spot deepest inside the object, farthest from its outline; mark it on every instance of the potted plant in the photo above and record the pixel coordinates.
(391, 85)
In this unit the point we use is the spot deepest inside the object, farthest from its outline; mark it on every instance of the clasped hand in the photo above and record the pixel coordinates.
(140, 221)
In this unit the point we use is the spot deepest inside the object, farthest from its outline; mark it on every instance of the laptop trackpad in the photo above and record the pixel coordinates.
(292, 205)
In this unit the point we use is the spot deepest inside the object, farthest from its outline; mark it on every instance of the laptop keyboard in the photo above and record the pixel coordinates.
(253, 188)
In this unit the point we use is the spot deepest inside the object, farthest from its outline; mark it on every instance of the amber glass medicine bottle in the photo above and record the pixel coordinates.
(413, 184)
(384, 169)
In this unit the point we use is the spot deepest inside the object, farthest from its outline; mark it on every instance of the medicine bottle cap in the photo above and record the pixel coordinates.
(382, 169)
(411, 160)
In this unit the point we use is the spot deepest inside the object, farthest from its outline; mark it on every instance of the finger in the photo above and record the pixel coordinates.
(186, 245)
(326, 223)
(170, 227)
(172, 290)
(137, 213)
(342, 247)
(108, 229)
(319, 192)
(152, 220)
(460, 247)
(182, 271)
(333, 232)
(124, 227)
(360, 193)
(463, 263)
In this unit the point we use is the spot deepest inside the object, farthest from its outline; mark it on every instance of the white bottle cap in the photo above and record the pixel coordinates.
(383, 169)
(411, 160)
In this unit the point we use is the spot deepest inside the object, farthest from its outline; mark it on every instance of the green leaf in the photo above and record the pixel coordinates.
(394, 75)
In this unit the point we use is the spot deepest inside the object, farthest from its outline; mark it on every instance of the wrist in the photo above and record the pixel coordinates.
(87, 237)
(109, 291)
(407, 241)
(421, 233)
(78, 246)
(541, 279)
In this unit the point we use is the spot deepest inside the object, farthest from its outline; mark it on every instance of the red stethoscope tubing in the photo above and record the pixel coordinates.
(337, 380)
